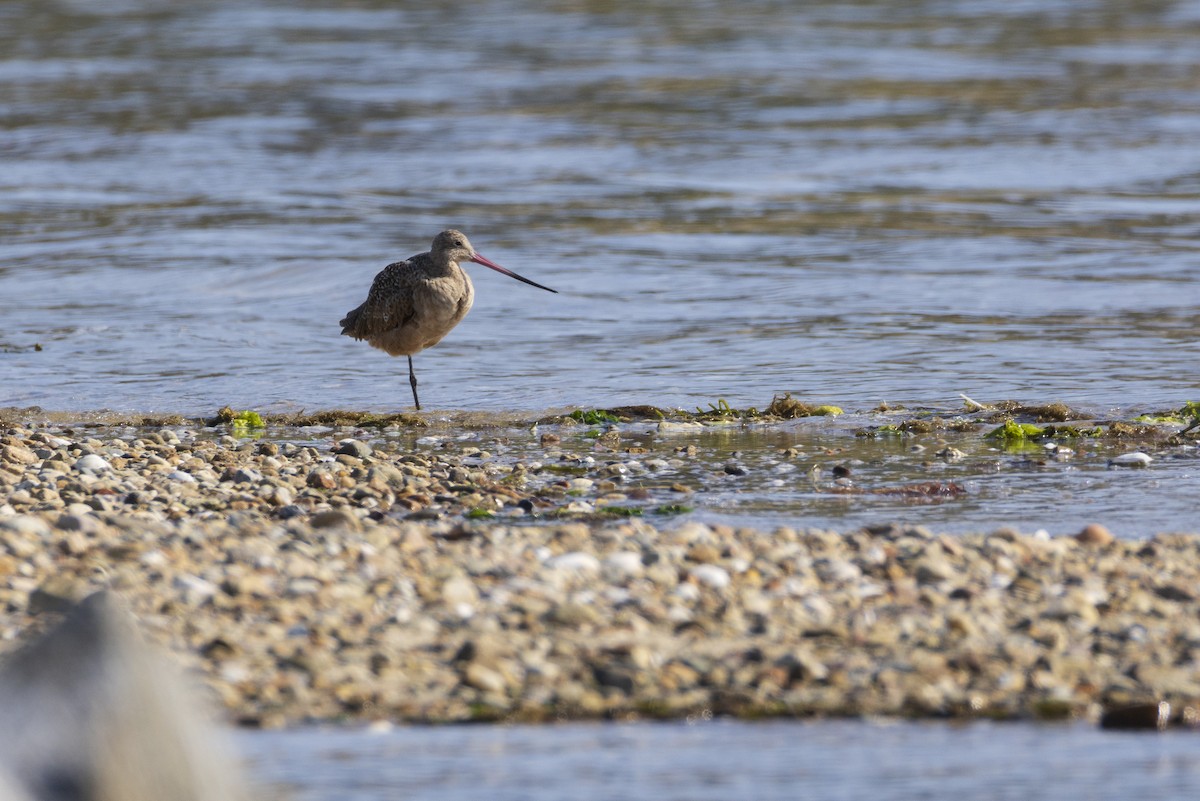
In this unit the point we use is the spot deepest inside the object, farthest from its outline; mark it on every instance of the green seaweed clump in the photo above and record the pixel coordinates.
(244, 423)
(787, 407)
(479, 513)
(672, 509)
(721, 410)
(1188, 413)
(621, 511)
(1013, 432)
(1050, 412)
(878, 432)
(248, 419)
(594, 417)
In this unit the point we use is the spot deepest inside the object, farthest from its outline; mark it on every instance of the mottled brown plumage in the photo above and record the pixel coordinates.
(413, 304)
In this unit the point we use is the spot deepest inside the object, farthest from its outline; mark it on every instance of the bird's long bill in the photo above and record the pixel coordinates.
(486, 262)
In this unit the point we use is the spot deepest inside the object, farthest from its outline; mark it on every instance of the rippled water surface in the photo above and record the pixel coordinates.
(854, 202)
(720, 761)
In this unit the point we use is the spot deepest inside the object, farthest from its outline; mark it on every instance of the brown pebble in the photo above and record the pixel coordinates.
(334, 518)
(321, 479)
(1094, 534)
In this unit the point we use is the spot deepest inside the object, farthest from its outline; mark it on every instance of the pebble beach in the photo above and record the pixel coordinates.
(341, 581)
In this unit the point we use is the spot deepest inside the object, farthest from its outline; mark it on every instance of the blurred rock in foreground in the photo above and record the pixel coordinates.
(90, 713)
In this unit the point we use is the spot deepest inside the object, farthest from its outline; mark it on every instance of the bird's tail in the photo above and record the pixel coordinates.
(350, 322)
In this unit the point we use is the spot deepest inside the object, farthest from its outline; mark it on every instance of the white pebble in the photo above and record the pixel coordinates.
(1135, 459)
(668, 427)
(194, 589)
(92, 463)
(578, 561)
(711, 575)
(180, 475)
(623, 564)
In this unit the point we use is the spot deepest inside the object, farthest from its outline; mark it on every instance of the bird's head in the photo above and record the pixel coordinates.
(453, 245)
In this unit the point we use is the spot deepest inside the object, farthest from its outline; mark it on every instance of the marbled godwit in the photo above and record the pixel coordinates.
(413, 304)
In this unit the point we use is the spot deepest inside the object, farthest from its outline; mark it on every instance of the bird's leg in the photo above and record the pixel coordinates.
(412, 379)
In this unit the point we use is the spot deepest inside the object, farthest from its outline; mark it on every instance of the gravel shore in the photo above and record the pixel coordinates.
(339, 581)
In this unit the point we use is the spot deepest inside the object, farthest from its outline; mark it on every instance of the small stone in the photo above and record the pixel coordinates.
(459, 590)
(483, 678)
(574, 614)
(91, 463)
(353, 447)
(75, 522)
(735, 469)
(1094, 534)
(932, 570)
(194, 589)
(621, 565)
(27, 525)
(838, 571)
(1134, 459)
(321, 479)
(711, 575)
(577, 561)
(182, 477)
(289, 511)
(704, 552)
(281, 496)
(950, 454)
(17, 454)
(245, 475)
(335, 518)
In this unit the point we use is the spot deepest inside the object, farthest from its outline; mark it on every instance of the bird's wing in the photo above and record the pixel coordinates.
(388, 306)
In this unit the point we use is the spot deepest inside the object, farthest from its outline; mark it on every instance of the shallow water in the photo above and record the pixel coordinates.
(725, 760)
(791, 472)
(853, 202)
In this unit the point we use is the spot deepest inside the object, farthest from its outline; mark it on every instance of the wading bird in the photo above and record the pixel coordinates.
(414, 303)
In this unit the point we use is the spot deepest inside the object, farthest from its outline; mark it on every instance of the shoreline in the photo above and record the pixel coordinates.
(335, 581)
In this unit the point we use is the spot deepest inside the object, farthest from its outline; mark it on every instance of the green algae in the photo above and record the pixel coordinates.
(1013, 432)
(1042, 413)
(594, 417)
(721, 411)
(620, 511)
(922, 425)
(1188, 414)
(564, 470)
(788, 408)
(340, 417)
(246, 423)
